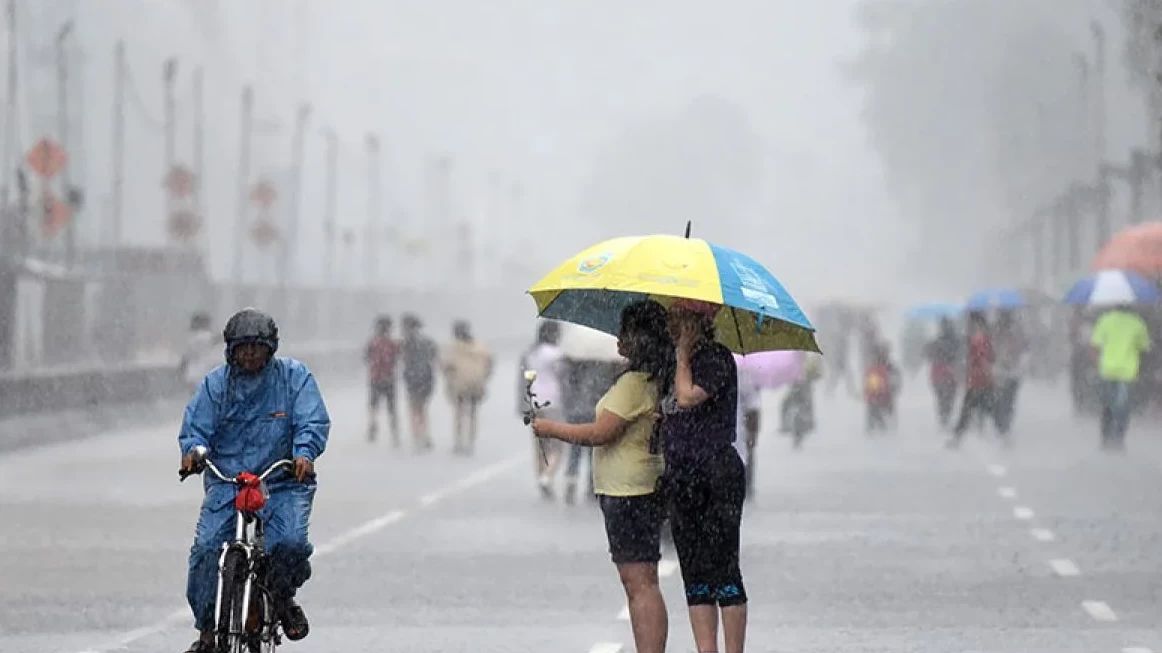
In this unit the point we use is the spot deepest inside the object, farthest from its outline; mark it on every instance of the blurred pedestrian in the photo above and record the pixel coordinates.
(548, 361)
(627, 465)
(1012, 357)
(748, 422)
(881, 382)
(978, 394)
(467, 366)
(418, 353)
(203, 351)
(382, 356)
(943, 354)
(705, 479)
(1121, 338)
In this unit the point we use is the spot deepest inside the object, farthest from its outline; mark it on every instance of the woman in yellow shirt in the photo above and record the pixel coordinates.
(627, 464)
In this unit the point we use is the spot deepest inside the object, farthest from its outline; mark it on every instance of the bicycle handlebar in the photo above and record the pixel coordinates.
(209, 464)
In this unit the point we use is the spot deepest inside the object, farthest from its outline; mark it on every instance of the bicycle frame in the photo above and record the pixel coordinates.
(248, 538)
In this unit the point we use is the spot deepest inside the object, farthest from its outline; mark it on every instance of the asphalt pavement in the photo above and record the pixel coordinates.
(852, 544)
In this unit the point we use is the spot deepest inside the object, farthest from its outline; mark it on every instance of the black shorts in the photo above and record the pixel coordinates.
(706, 515)
(381, 391)
(634, 527)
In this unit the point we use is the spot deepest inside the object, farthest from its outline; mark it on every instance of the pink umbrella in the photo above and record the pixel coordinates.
(770, 369)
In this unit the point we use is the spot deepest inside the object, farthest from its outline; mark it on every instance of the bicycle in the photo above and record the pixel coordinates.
(244, 615)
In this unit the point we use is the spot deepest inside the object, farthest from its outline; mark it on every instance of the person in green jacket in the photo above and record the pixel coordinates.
(1121, 337)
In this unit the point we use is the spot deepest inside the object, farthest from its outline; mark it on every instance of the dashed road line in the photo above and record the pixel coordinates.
(1042, 534)
(1099, 610)
(1023, 512)
(1136, 649)
(1064, 567)
(606, 647)
(997, 470)
(1007, 492)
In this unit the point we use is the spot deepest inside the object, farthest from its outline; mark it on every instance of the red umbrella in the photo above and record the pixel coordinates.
(1137, 248)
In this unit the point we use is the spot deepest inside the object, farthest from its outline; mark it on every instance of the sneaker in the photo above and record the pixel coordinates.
(546, 484)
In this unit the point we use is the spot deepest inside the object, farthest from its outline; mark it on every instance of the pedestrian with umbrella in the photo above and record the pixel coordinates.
(719, 301)
(1121, 337)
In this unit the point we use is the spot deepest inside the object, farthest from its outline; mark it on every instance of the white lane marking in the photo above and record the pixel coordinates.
(362, 530)
(430, 498)
(1099, 610)
(1022, 512)
(1064, 567)
(667, 567)
(1042, 534)
(1136, 649)
(606, 647)
(1007, 492)
(998, 470)
(624, 614)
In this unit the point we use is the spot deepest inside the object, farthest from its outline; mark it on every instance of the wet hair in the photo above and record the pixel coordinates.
(461, 330)
(410, 321)
(548, 333)
(649, 347)
(383, 322)
(979, 319)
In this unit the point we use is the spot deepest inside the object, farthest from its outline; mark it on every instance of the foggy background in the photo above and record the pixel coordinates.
(877, 149)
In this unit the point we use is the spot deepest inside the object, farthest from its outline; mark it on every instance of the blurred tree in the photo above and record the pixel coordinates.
(1142, 20)
(976, 109)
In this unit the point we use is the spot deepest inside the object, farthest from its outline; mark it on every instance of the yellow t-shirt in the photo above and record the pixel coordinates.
(625, 467)
(1122, 338)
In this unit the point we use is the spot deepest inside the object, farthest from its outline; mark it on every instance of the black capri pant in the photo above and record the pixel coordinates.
(705, 518)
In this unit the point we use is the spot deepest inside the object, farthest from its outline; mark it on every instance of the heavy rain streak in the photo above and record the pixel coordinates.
(567, 326)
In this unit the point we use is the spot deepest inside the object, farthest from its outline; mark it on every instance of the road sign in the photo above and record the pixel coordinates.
(184, 225)
(264, 233)
(263, 194)
(55, 214)
(46, 158)
(179, 181)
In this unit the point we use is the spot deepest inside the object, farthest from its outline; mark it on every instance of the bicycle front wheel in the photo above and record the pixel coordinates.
(231, 628)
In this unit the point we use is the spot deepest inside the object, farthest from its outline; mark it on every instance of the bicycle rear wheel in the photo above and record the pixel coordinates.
(231, 626)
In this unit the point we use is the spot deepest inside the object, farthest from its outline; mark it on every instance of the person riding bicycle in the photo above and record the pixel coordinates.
(249, 413)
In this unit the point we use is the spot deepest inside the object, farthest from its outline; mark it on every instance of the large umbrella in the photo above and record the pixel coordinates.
(1137, 248)
(1113, 287)
(996, 298)
(771, 369)
(756, 314)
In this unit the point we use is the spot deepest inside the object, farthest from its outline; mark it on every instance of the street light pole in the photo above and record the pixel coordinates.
(118, 149)
(331, 197)
(374, 211)
(247, 125)
(63, 127)
(291, 241)
(169, 76)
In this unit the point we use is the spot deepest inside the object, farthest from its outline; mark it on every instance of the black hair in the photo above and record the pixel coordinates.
(548, 333)
(649, 347)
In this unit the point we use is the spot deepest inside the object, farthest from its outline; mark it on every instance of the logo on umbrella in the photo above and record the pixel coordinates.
(594, 263)
(753, 286)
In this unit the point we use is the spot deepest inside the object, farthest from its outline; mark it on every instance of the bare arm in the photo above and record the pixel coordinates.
(607, 429)
(686, 393)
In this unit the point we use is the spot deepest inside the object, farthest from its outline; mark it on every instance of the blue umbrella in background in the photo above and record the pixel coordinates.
(993, 298)
(933, 311)
(1113, 287)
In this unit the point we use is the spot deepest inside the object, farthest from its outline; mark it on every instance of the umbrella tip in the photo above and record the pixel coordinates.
(688, 224)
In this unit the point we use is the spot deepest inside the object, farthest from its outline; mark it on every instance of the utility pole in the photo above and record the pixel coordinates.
(331, 197)
(10, 129)
(290, 243)
(62, 76)
(118, 149)
(374, 211)
(1083, 112)
(1099, 117)
(244, 136)
(169, 76)
(199, 164)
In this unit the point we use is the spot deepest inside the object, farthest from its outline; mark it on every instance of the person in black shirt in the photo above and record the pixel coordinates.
(705, 479)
